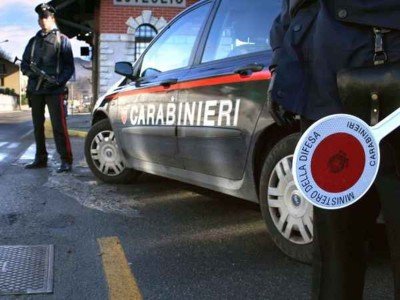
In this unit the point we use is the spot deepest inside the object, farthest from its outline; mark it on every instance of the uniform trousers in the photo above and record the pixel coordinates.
(55, 104)
(341, 236)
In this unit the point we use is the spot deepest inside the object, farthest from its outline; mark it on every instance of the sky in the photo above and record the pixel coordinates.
(18, 23)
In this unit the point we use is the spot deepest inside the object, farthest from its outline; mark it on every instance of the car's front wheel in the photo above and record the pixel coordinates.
(289, 217)
(103, 156)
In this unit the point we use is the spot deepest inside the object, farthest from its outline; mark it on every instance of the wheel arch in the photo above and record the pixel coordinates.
(98, 116)
(266, 139)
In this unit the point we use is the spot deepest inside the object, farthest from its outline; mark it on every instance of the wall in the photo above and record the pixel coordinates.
(116, 27)
(8, 103)
(12, 79)
(114, 17)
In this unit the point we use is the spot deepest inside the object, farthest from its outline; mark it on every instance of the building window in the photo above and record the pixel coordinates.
(143, 36)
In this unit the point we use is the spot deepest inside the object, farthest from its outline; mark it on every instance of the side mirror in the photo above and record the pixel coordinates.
(125, 69)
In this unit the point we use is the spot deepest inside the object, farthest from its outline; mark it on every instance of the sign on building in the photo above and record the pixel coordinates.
(163, 3)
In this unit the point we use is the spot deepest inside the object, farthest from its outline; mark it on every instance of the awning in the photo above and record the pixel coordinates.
(75, 18)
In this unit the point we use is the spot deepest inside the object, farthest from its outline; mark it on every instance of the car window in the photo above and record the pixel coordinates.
(240, 28)
(173, 49)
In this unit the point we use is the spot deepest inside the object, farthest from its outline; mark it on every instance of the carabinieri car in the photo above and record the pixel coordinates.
(193, 108)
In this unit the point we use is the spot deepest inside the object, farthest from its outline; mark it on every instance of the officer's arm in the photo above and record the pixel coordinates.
(26, 59)
(278, 31)
(277, 35)
(66, 61)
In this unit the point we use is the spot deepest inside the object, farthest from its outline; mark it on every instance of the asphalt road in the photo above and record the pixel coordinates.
(180, 242)
(15, 131)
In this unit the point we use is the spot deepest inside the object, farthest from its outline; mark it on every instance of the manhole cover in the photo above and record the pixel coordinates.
(26, 269)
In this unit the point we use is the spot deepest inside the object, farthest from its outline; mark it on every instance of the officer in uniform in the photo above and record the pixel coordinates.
(51, 52)
(345, 35)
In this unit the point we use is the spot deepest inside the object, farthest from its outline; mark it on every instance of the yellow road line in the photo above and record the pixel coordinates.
(48, 131)
(121, 282)
(77, 133)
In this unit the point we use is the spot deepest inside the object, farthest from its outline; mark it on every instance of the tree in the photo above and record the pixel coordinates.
(5, 55)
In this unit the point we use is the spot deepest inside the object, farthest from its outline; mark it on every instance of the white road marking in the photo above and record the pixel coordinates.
(26, 156)
(4, 267)
(26, 134)
(13, 146)
(30, 153)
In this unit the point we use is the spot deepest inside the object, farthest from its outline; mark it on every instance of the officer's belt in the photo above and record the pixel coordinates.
(372, 92)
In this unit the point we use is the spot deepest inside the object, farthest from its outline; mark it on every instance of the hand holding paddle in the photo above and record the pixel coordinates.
(337, 159)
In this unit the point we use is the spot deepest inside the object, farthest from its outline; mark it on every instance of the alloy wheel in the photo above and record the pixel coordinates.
(105, 154)
(291, 213)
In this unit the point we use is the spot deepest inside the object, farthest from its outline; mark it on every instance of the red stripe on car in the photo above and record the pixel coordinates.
(236, 78)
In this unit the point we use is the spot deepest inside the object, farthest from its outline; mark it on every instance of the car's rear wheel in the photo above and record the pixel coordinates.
(103, 156)
(289, 217)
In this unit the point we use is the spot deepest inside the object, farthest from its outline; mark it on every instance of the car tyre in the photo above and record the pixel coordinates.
(103, 156)
(288, 216)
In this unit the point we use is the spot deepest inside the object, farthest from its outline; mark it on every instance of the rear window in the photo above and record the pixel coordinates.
(240, 27)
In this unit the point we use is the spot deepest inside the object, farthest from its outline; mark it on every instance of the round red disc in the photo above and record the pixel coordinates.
(338, 162)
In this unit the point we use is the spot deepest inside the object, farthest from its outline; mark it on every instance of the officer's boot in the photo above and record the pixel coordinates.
(64, 167)
(39, 162)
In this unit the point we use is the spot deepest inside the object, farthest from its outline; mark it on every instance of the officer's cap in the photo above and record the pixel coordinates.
(45, 10)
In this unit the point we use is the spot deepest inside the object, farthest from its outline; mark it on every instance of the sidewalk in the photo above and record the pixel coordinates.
(79, 124)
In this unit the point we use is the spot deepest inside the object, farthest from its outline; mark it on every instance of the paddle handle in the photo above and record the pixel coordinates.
(387, 125)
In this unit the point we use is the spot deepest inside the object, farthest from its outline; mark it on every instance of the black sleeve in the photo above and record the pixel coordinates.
(26, 58)
(67, 67)
(278, 31)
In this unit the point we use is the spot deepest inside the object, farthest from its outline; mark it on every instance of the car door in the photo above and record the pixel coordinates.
(149, 108)
(224, 93)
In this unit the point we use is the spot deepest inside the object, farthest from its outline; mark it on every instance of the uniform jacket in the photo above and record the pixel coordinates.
(49, 50)
(380, 13)
(290, 40)
(313, 43)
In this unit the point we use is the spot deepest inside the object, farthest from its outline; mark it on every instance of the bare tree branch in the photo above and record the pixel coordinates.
(5, 55)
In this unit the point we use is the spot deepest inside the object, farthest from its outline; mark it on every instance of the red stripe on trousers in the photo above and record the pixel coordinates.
(66, 136)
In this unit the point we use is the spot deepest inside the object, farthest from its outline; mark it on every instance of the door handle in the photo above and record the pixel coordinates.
(249, 69)
(168, 82)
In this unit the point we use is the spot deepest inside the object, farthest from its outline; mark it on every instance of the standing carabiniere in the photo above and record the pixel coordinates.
(312, 49)
(348, 35)
(48, 62)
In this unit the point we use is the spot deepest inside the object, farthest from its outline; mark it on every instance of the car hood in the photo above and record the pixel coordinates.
(110, 91)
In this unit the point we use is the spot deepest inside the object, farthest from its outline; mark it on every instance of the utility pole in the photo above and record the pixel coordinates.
(72, 99)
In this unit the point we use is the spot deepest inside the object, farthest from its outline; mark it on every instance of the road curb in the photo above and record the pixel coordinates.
(77, 133)
(48, 131)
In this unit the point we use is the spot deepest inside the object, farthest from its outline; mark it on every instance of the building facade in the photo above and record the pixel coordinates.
(116, 30)
(10, 77)
(10, 85)
(125, 28)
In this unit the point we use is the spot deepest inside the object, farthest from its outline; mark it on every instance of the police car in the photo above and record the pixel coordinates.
(193, 108)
